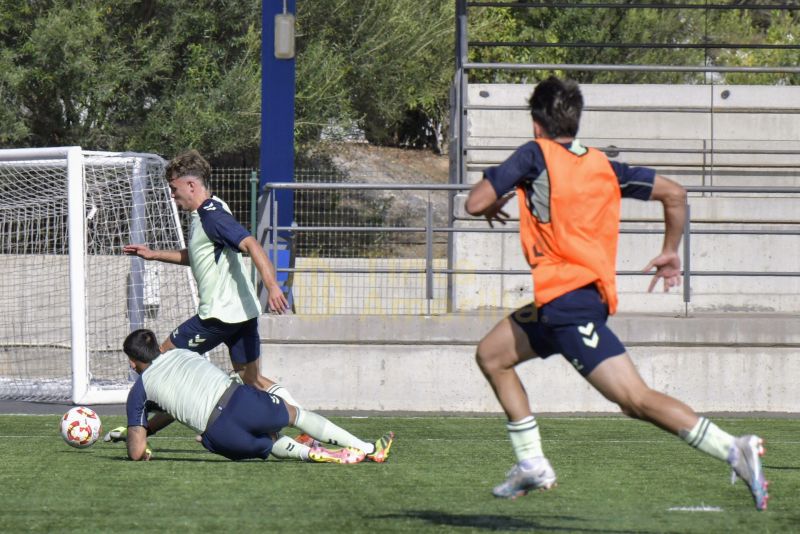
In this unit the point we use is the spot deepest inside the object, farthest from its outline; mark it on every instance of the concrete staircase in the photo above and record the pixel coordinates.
(698, 135)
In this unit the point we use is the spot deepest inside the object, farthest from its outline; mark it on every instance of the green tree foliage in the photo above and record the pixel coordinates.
(384, 66)
(213, 99)
(759, 28)
(635, 34)
(131, 75)
(164, 75)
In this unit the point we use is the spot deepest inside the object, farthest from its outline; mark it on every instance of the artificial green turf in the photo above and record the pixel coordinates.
(614, 475)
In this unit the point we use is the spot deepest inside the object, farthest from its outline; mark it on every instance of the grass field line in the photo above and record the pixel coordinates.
(701, 508)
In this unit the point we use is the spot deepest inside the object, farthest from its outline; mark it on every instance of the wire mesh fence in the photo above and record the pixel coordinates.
(330, 211)
(370, 209)
(366, 248)
(355, 250)
(235, 185)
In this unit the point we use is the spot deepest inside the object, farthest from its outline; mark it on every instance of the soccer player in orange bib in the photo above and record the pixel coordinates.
(569, 204)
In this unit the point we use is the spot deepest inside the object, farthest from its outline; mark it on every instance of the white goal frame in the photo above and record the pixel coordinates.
(83, 391)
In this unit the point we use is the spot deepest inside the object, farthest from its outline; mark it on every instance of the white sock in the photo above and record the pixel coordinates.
(280, 391)
(285, 447)
(321, 429)
(709, 438)
(525, 438)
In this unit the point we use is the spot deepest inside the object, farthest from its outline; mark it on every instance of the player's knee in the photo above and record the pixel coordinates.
(487, 361)
(250, 377)
(630, 411)
(634, 405)
(481, 360)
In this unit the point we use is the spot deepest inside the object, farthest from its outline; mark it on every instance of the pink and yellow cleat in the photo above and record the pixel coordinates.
(382, 447)
(346, 455)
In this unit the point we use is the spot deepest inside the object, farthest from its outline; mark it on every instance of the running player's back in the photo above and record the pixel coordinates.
(574, 242)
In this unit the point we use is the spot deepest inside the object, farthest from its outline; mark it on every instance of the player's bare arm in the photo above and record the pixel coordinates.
(158, 421)
(482, 200)
(179, 257)
(668, 264)
(276, 301)
(137, 444)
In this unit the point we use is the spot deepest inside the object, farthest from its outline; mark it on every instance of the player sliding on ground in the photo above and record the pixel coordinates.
(229, 307)
(569, 204)
(235, 420)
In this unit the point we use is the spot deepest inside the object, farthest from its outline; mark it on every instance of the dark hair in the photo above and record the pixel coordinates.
(141, 346)
(556, 106)
(189, 163)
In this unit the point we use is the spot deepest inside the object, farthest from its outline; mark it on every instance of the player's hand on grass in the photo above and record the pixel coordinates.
(116, 434)
(668, 268)
(148, 454)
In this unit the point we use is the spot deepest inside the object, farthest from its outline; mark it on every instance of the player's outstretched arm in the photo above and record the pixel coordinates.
(668, 264)
(179, 257)
(277, 300)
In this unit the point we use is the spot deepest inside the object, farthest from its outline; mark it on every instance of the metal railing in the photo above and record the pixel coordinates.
(440, 267)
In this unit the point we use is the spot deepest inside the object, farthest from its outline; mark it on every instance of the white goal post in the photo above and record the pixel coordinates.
(68, 295)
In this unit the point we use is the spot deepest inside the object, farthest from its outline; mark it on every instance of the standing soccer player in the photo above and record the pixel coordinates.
(569, 204)
(229, 307)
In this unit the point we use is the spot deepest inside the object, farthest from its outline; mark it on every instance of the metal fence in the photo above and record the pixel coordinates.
(238, 187)
(350, 270)
(358, 248)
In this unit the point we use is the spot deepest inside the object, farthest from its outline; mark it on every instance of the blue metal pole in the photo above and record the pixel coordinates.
(277, 111)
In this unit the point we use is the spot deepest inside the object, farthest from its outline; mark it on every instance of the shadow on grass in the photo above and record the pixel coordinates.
(158, 455)
(494, 522)
(183, 451)
(781, 467)
(168, 459)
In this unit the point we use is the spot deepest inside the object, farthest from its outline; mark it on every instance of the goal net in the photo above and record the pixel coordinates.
(68, 296)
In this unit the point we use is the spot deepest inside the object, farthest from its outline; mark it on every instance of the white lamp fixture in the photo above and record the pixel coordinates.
(284, 34)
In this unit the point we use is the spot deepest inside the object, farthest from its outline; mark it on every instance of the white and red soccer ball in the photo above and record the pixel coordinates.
(80, 427)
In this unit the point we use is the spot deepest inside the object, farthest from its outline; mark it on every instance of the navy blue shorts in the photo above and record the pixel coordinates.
(243, 429)
(573, 325)
(202, 335)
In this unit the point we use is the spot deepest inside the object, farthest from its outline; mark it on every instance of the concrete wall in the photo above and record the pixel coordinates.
(730, 362)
